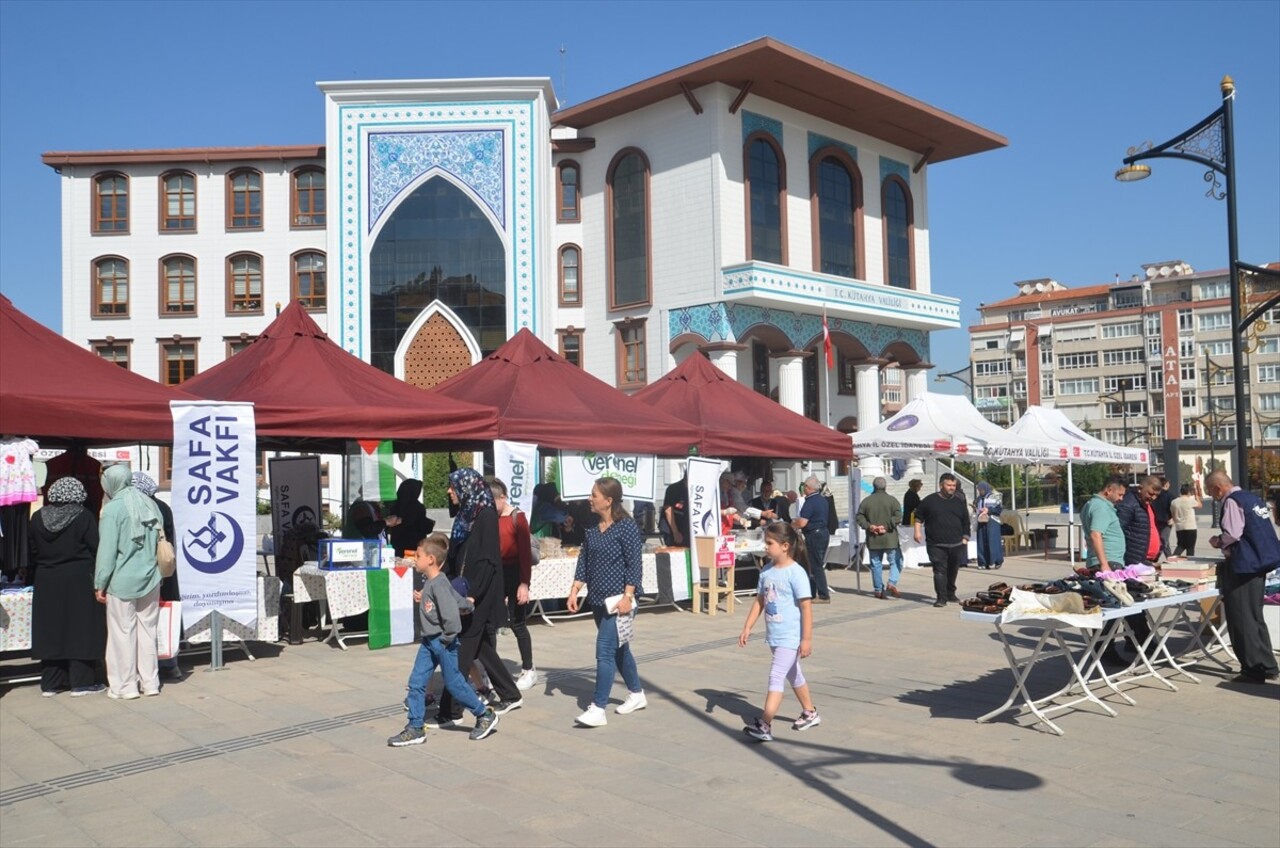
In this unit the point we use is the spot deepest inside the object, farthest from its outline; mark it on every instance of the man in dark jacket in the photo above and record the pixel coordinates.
(942, 525)
(1138, 521)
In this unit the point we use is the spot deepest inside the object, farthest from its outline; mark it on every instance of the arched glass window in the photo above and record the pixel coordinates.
(570, 266)
(244, 283)
(244, 200)
(628, 230)
(110, 286)
(896, 203)
(111, 203)
(308, 198)
(437, 244)
(766, 190)
(838, 199)
(178, 285)
(308, 283)
(178, 202)
(569, 179)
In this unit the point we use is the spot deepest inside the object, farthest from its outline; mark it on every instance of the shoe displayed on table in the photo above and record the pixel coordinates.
(892, 589)
(808, 719)
(759, 731)
(485, 725)
(504, 707)
(408, 736)
(88, 690)
(635, 701)
(527, 680)
(441, 722)
(593, 716)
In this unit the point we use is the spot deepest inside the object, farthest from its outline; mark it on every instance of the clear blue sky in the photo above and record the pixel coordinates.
(1072, 85)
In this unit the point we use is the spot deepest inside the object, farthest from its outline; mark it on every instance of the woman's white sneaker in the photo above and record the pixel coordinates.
(593, 717)
(635, 701)
(527, 679)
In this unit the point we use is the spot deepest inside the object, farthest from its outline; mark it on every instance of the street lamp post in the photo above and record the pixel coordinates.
(1212, 143)
(963, 376)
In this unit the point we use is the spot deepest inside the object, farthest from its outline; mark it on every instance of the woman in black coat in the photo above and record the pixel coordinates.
(407, 520)
(68, 626)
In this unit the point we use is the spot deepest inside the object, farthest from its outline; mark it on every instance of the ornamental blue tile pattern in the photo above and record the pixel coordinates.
(361, 167)
(889, 166)
(730, 322)
(817, 142)
(751, 122)
(398, 159)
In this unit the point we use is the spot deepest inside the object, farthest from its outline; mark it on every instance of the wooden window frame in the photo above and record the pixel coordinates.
(911, 230)
(294, 293)
(761, 135)
(164, 287)
(295, 208)
(174, 341)
(621, 353)
(231, 287)
(232, 341)
(164, 469)
(648, 228)
(563, 214)
(164, 205)
(815, 219)
(564, 301)
(571, 332)
(110, 343)
(95, 289)
(231, 193)
(96, 192)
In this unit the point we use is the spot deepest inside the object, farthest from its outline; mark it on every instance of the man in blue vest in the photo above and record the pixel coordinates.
(1249, 544)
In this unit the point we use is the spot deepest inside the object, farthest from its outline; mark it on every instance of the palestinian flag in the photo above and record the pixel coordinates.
(390, 606)
(377, 472)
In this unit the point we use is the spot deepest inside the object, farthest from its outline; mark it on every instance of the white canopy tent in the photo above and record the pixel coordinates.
(946, 427)
(1042, 425)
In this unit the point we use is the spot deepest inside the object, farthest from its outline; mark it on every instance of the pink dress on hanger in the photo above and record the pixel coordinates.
(17, 472)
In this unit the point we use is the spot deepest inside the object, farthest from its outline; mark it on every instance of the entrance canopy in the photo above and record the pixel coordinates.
(543, 399)
(737, 420)
(934, 425)
(1048, 425)
(55, 391)
(309, 393)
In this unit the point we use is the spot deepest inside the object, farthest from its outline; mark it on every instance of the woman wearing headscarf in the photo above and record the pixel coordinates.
(127, 580)
(475, 556)
(407, 518)
(987, 507)
(145, 483)
(68, 630)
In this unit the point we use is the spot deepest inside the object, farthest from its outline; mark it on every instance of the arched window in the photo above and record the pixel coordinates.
(244, 284)
(766, 179)
(244, 200)
(308, 198)
(177, 202)
(569, 179)
(836, 198)
(570, 275)
(110, 287)
(308, 279)
(111, 203)
(899, 221)
(178, 285)
(628, 229)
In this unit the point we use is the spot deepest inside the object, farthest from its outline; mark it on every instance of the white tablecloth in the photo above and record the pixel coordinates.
(552, 578)
(347, 592)
(265, 629)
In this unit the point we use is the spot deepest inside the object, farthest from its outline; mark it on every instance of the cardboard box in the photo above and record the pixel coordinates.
(350, 554)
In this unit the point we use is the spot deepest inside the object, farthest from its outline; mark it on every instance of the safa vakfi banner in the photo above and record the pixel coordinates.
(214, 498)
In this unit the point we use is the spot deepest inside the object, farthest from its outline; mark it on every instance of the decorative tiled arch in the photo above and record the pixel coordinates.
(384, 148)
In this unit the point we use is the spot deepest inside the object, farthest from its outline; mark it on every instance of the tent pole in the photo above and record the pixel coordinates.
(1071, 517)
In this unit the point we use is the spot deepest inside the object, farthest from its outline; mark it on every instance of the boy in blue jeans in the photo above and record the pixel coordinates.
(441, 619)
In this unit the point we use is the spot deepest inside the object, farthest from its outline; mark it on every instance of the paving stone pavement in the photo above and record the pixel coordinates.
(290, 749)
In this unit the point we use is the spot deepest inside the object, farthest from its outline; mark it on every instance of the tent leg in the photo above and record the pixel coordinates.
(1071, 517)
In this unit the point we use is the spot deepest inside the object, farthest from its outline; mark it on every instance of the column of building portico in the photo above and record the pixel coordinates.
(866, 377)
(724, 355)
(917, 385)
(791, 379)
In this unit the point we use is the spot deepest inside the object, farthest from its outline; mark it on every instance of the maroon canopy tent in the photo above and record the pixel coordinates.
(55, 391)
(544, 399)
(738, 421)
(308, 393)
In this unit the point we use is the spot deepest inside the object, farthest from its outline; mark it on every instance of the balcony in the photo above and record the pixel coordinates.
(768, 285)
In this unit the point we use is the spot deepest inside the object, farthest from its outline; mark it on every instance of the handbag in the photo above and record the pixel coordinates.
(169, 628)
(166, 556)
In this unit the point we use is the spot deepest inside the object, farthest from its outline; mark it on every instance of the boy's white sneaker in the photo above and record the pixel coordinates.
(635, 701)
(527, 679)
(593, 717)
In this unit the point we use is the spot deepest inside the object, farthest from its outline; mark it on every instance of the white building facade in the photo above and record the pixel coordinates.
(726, 206)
